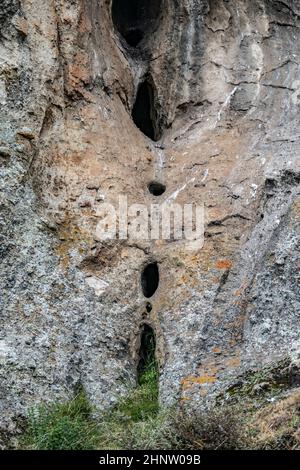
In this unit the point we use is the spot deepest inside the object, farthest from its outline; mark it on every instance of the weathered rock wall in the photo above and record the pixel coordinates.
(225, 78)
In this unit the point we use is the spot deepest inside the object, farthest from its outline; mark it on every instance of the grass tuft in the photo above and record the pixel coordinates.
(65, 426)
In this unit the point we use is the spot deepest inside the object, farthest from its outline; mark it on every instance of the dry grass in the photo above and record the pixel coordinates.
(277, 426)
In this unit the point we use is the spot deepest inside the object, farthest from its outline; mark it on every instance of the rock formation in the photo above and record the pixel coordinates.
(191, 101)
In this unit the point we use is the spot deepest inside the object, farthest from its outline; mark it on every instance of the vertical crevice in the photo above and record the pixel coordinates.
(147, 364)
(144, 112)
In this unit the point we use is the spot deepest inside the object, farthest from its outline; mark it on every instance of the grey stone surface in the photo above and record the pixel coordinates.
(227, 99)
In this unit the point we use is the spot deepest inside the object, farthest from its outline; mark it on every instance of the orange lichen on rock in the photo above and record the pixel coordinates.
(189, 381)
(224, 264)
(217, 350)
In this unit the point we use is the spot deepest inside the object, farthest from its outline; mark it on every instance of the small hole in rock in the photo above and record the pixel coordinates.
(156, 188)
(143, 112)
(147, 361)
(150, 279)
(148, 307)
(134, 19)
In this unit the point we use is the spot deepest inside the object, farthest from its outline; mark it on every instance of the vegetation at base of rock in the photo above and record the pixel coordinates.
(137, 422)
(69, 426)
(235, 426)
(66, 426)
(277, 426)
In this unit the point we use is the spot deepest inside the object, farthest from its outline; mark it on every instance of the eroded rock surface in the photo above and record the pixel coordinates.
(225, 88)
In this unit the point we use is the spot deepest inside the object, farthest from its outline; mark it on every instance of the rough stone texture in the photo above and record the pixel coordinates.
(226, 78)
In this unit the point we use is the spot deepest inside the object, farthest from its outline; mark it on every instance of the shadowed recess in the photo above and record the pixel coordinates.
(147, 359)
(156, 188)
(143, 112)
(135, 18)
(150, 279)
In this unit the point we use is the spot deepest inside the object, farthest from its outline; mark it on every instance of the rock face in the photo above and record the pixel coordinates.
(202, 97)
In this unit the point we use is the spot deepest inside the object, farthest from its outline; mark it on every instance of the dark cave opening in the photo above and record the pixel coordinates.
(143, 112)
(150, 280)
(156, 188)
(135, 18)
(147, 360)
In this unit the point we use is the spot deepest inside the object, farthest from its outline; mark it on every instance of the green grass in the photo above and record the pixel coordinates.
(142, 403)
(66, 426)
(69, 426)
(137, 422)
(136, 415)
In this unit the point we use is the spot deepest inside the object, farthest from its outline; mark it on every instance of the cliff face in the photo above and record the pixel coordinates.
(215, 87)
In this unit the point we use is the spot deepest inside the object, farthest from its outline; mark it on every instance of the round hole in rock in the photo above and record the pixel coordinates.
(143, 111)
(156, 188)
(147, 361)
(135, 18)
(150, 279)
